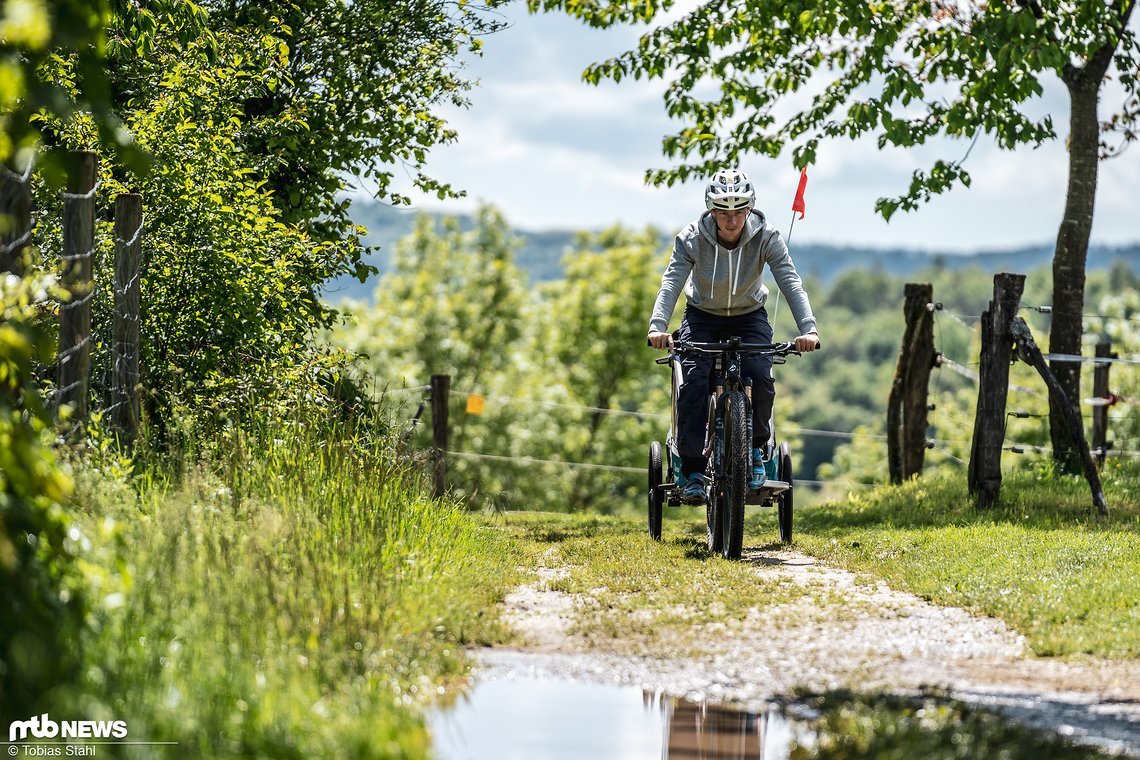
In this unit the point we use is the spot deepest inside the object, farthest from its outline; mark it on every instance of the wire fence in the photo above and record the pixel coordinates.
(96, 366)
(966, 371)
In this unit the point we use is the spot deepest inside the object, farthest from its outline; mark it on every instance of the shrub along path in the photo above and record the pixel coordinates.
(608, 604)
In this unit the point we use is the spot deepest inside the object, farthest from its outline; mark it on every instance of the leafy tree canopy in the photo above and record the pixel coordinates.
(904, 72)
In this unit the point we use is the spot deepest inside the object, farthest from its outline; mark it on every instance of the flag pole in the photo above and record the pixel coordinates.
(797, 207)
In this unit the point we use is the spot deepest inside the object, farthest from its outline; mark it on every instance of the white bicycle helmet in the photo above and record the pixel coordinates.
(729, 190)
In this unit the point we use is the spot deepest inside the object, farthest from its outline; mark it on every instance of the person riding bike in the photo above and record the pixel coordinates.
(718, 260)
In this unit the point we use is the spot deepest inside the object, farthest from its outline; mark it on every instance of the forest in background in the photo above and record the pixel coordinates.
(540, 253)
(571, 396)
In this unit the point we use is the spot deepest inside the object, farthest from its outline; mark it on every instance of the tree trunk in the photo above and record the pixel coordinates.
(1073, 243)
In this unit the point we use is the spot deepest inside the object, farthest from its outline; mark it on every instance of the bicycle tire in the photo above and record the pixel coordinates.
(737, 468)
(784, 506)
(656, 497)
(714, 508)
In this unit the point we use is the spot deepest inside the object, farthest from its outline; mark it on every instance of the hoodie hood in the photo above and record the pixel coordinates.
(733, 257)
(752, 225)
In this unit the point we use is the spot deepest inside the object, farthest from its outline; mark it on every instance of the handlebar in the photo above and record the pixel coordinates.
(746, 349)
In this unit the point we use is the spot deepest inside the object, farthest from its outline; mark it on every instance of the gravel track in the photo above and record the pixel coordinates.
(882, 639)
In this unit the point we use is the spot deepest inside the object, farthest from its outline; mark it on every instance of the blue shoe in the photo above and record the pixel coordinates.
(770, 468)
(694, 489)
(759, 470)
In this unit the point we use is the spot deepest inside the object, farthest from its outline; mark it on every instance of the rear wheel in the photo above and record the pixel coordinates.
(784, 508)
(656, 496)
(737, 468)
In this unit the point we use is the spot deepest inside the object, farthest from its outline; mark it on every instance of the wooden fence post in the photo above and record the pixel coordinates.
(440, 390)
(1100, 442)
(1031, 354)
(15, 218)
(77, 278)
(125, 355)
(984, 475)
(907, 408)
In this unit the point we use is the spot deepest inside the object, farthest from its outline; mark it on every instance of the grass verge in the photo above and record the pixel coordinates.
(297, 595)
(1041, 561)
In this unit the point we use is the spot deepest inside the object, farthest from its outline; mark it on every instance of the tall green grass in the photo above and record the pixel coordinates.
(1041, 561)
(294, 593)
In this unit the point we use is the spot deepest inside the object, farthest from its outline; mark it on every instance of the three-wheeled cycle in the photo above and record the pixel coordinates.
(728, 448)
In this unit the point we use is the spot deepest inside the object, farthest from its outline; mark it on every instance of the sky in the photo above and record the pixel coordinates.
(553, 152)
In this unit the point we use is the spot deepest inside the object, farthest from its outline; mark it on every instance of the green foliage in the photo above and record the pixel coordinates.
(366, 76)
(287, 590)
(39, 598)
(544, 360)
(39, 34)
(901, 73)
(453, 305)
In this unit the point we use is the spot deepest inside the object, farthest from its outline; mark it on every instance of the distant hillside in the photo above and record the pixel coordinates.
(542, 252)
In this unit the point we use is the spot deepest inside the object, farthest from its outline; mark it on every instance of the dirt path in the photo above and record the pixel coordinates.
(880, 639)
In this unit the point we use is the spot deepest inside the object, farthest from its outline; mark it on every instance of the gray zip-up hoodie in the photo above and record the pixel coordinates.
(725, 281)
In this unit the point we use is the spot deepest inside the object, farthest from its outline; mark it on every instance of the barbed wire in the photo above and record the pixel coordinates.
(533, 460)
(21, 178)
(402, 391)
(558, 405)
(83, 196)
(1078, 359)
(1049, 310)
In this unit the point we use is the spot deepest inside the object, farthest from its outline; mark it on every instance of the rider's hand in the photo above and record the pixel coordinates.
(807, 342)
(662, 340)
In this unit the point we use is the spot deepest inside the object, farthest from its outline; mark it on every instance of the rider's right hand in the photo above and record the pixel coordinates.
(662, 340)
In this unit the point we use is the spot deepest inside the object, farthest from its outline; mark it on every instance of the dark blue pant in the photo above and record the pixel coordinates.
(693, 398)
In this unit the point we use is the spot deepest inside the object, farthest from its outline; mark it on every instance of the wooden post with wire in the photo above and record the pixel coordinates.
(1031, 354)
(77, 277)
(984, 473)
(908, 407)
(440, 390)
(15, 218)
(125, 404)
(1101, 395)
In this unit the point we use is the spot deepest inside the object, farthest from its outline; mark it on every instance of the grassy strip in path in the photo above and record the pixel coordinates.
(294, 595)
(1040, 561)
(640, 595)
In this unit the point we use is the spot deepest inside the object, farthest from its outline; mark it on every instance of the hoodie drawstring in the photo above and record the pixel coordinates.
(716, 257)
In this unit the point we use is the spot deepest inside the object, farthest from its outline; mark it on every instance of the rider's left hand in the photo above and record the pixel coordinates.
(807, 342)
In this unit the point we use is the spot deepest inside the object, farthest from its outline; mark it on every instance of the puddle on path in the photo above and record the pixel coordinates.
(532, 717)
(570, 720)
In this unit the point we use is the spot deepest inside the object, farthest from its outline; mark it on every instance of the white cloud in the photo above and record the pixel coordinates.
(554, 152)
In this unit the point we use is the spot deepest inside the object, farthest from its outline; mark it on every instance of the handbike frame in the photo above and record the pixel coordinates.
(728, 441)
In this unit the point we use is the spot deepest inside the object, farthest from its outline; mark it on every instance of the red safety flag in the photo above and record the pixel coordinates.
(798, 203)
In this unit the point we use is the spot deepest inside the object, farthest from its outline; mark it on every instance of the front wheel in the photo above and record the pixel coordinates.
(737, 468)
(656, 497)
(784, 509)
(714, 504)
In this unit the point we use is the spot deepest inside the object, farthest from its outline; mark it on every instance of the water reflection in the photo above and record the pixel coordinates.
(535, 718)
(703, 730)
